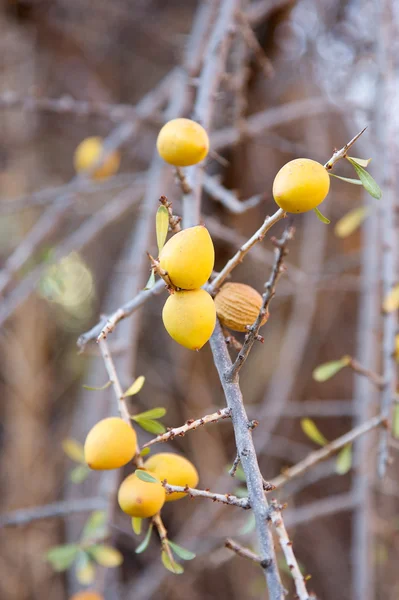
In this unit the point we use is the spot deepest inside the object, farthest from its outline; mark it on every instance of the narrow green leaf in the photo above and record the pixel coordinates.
(363, 162)
(181, 552)
(79, 474)
(136, 525)
(106, 556)
(85, 571)
(136, 387)
(310, 429)
(97, 389)
(329, 369)
(61, 557)
(162, 226)
(321, 217)
(347, 179)
(391, 300)
(351, 221)
(151, 281)
(171, 566)
(150, 425)
(74, 450)
(368, 182)
(344, 460)
(145, 541)
(395, 421)
(95, 525)
(154, 413)
(145, 451)
(144, 476)
(249, 526)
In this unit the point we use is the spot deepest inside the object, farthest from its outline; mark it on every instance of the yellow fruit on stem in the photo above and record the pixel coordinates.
(182, 142)
(110, 444)
(238, 305)
(188, 257)
(88, 152)
(176, 469)
(301, 185)
(190, 317)
(139, 498)
(87, 595)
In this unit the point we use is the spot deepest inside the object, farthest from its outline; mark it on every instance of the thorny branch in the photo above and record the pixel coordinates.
(194, 493)
(243, 552)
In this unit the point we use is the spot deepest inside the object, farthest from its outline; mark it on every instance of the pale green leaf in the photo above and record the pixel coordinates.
(74, 450)
(79, 474)
(249, 526)
(347, 179)
(344, 460)
(395, 421)
(97, 389)
(136, 525)
(150, 425)
(61, 557)
(151, 281)
(329, 369)
(321, 217)
(368, 182)
(154, 413)
(144, 476)
(145, 451)
(391, 300)
(136, 387)
(95, 525)
(162, 226)
(181, 552)
(363, 162)
(351, 221)
(171, 566)
(85, 571)
(144, 544)
(106, 556)
(310, 429)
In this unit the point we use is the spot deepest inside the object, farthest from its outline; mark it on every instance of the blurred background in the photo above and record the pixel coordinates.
(70, 254)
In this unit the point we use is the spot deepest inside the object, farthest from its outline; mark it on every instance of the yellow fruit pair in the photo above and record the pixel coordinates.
(189, 314)
(87, 154)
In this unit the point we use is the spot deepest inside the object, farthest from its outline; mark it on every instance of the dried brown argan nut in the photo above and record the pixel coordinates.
(238, 305)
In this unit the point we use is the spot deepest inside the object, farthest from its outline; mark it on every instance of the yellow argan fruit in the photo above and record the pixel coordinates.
(190, 317)
(238, 305)
(182, 142)
(88, 152)
(87, 595)
(176, 469)
(139, 498)
(188, 257)
(301, 185)
(110, 444)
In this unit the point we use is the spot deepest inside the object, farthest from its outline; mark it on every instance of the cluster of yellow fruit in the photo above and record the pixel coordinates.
(112, 443)
(88, 153)
(189, 314)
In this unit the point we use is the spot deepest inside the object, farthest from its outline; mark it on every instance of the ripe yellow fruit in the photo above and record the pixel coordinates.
(110, 444)
(182, 142)
(88, 152)
(238, 305)
(176, 469)
(87, 595)
(301, 185)
(188, 257)
(139, 498)
(190, 317)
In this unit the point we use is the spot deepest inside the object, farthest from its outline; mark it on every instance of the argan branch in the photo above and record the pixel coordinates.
(194, 493)
(243, 552)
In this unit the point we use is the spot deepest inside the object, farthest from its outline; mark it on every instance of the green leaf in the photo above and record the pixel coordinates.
(347, 179)
(310, 429)
(162, 226)
(74, 450)
(181, 552)
(144, 476)
(145, 541)
(351, 221)
(97, 389)
(329, 369)
(363, 162)
(136, 525)
(249, 526)
(106, 556)
(79, 474)
(368, 182)
(95, 525)
(344, 460)
(150, 425)
(154, 413)
(85, 571)
(321, 217)
(151, 281)
(240, 475)
(145, 451)
(171, 566)
(395, 421)
(391, 300)
(136, 387)
(61, 557)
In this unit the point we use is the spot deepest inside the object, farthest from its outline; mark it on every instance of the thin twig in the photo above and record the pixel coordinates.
(234, 467)
(342, 153)
(174, 221)
(375, 378)
(190, 425)
(243, 552)
(253, 44)
(24, 516)
(194, 493)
